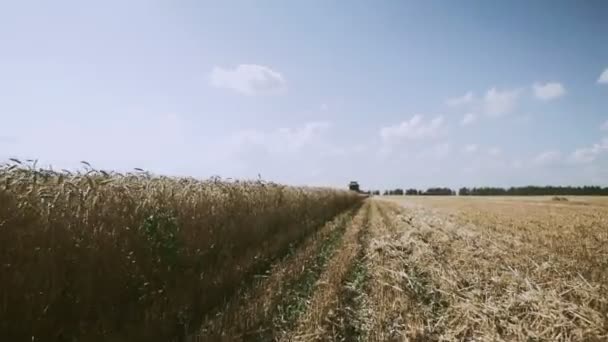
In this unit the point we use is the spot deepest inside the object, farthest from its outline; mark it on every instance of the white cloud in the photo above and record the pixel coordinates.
(548, 91)
(248, 79)
(604, 126)
(324, 107)
(494, 151)
(282, 140)
(548, 157)
(603, 79)
(413, 129)
(493, 103)
(462, 100)
(299, 137)
(303, 154)
(589, 154)
(468, 119)
(470, 148)
(497, 103)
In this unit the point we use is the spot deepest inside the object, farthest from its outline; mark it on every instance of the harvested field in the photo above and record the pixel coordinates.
(445, 269)
(497, 268)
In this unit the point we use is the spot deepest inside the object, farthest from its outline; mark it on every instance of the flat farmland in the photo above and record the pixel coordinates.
(438, 269)
(101, 256)
(510, 267)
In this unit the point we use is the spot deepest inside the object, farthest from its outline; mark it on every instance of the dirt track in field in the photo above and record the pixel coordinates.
(432, 270)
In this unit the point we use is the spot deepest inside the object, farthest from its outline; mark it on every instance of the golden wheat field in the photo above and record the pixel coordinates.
(98, 256)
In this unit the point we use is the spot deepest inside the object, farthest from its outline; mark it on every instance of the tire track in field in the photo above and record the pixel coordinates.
(349, 319)
(389, 303)
(354, 315)
(403, 302)
(256, 312)
(315, 322)
(386, 210)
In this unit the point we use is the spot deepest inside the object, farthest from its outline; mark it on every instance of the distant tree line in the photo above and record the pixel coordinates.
(536, 191)
(428, 192)
(496, 191)
(440, 192)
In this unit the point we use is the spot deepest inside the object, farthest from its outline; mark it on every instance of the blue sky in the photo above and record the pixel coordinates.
(317, 92)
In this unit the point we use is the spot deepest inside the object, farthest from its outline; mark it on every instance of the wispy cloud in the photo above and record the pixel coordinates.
(467, 98)
(603, 79)
(589, 154)
(548, 157)
(470, 148)
(412, 129)
(604, 126)
(494, 151)
(282, 140)
(468, 119)
(498, 103)
(248, 79)
(494, 103)
(548, 91)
